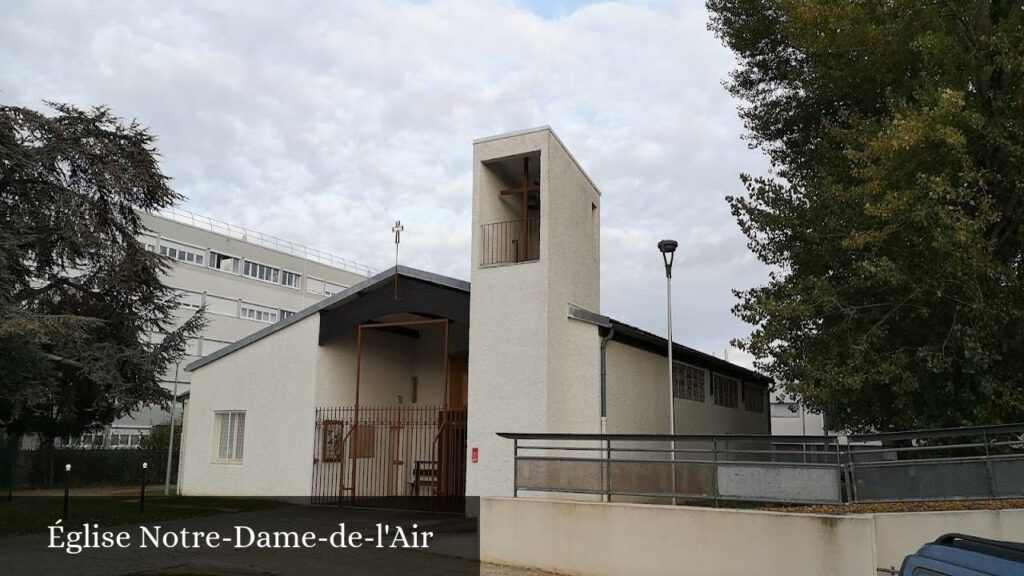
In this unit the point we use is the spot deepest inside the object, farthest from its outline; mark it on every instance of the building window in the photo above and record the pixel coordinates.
(286, 314)
(181, 253)
(688, 382)
(223, 262)
(230, 435)
(290, 279)
(258, 313)
(726, 391)
(753, 398)
(330, 288)
(262, 272)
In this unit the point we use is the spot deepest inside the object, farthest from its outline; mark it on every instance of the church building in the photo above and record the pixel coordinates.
(399, 385)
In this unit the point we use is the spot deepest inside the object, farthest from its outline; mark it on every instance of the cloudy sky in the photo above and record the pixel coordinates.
(324, 122)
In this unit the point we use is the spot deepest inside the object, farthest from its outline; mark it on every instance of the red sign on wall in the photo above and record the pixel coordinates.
(475, 454)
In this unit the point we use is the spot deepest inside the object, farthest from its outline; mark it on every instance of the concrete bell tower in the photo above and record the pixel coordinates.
(536, 250)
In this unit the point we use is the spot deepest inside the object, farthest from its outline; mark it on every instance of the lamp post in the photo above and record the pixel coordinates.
(170, 443)
(668, 254)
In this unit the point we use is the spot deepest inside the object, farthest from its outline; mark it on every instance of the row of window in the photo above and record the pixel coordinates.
(194, 346)
(232, 308)
(227, 263)
(690, 382)
(114, 439)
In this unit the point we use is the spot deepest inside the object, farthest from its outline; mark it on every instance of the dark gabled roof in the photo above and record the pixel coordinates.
(336, 301)
(639, 338)
(623, 332)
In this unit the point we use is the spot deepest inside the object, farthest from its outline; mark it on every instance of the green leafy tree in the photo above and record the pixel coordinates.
(79, 295)
(159, 437)
(892, 217)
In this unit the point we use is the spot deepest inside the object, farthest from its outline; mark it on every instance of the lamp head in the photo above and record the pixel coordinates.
(668, 254)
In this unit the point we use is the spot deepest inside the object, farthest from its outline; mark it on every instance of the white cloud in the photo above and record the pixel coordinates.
(323, 124)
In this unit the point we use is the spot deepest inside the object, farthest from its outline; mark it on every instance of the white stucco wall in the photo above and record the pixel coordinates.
(390, 361)
(638, 400)
(272, 380)
(527, 369)
(596, 539)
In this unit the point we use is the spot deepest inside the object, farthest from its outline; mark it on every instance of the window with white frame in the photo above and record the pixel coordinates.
(290, 279)
(688, 382)
(182, 252)
(285, 314)
(259, 313)
(753, 398)
(331, 288)
(726, 391)
(230, 430)
(261, 272)
(224, 262)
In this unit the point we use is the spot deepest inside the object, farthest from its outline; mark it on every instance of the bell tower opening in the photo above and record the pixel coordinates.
(511, 210)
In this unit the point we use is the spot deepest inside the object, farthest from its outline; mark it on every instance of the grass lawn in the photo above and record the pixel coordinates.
(33, 514)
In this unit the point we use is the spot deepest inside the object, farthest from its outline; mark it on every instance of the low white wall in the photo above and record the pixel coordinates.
(610, 539)
(899, 534)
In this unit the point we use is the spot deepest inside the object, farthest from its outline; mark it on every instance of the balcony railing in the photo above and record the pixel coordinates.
(510, 242)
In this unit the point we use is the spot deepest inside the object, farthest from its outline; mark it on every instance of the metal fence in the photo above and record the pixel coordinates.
(44, 468)
(263, 239)
(510, 242)
(370, 452)
(963, 463)
(949, 464)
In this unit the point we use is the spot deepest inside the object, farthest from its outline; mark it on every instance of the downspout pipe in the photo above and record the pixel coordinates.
(604, 404)
(604, 378)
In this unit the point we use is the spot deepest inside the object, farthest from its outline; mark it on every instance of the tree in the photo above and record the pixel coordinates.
(892, 216)
(159, 437)
(79, 295)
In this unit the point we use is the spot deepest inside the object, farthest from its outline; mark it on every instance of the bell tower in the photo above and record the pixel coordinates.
(536, 250)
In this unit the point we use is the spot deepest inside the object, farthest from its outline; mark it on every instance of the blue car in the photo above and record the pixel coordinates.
(960, 555)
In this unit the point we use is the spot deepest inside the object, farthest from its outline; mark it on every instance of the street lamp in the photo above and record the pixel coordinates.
(170, 446)
(668, 254)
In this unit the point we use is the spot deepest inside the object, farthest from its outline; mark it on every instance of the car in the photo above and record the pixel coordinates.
(962, 555)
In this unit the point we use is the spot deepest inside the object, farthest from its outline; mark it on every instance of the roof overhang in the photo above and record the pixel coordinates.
(419, 292)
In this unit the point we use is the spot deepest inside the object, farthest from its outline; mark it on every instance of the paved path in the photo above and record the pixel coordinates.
(28, 555)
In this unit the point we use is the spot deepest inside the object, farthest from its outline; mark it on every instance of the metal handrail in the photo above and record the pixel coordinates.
(265, 240)
(815, 470)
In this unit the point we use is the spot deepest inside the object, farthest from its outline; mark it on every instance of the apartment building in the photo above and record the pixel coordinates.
(246, 279)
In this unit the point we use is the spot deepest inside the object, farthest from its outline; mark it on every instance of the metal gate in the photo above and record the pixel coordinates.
(365, 453)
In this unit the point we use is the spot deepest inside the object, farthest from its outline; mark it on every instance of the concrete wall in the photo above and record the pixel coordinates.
(638, 400)
(272, 380)
(897, 535)
(596, 539)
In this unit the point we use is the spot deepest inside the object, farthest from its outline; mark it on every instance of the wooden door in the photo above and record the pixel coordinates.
(458, 382)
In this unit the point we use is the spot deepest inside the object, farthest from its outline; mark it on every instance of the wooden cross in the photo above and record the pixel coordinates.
(524, 191)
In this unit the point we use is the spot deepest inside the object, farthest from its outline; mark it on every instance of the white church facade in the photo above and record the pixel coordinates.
(399, 385)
